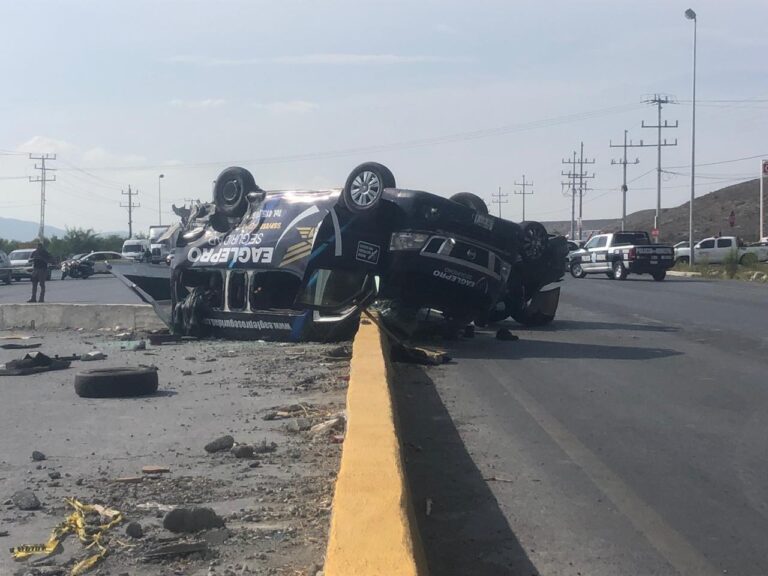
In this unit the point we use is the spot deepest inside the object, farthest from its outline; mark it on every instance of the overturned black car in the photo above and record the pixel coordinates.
(300, 265)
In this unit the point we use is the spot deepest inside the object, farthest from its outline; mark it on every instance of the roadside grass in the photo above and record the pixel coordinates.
(731, 270)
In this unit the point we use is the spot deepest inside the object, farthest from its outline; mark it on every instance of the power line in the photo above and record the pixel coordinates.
(42, 179)
(624, 163)
(523, 193)
(659, 100)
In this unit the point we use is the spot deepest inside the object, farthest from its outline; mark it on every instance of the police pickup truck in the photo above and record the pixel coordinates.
(622, 253)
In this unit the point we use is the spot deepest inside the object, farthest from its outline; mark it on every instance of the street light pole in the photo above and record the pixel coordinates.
(159, 199)
(691, 15)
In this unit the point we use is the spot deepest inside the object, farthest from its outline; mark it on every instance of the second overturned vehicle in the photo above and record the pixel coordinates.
(301, 265)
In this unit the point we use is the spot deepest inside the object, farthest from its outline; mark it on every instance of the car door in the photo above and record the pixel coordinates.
(585, 254)
(705, 251)
(594, 260)
(723, 247)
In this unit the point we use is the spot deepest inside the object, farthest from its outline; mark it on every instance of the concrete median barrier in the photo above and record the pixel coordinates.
(373, 528)
(86, 316)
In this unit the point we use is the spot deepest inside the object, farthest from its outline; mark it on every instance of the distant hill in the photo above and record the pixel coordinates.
(24, 231)
(710, 216)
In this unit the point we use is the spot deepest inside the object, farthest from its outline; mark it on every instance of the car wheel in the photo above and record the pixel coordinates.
(577, 271)
(229, 193)
(659, 276)
(116, 382)
(609, 275)
(365, 186)
(748, 259)
(682, 260)
(619, 272)
(472, 201)
(8, 280)
(535, 239)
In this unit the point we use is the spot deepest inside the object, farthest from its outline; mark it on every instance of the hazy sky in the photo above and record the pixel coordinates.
(451, 95)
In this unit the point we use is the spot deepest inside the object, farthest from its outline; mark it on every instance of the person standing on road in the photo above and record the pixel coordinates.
(40, 258)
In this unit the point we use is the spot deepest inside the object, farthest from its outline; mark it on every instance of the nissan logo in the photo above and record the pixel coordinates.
(471, 254)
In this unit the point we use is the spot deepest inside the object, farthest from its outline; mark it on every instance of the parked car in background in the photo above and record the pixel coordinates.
(617, 255)
(102, 260)
(21, 267)
(5, 268)
(716, 250)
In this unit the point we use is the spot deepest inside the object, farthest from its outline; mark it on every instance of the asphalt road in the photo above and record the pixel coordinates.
(630, 437)
(101, 289)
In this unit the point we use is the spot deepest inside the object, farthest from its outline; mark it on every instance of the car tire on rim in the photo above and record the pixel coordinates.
(619, 272)
(534, 241)
(230, 190)
(116, 382)
(365, 186)
(577, 271)
(472, 201)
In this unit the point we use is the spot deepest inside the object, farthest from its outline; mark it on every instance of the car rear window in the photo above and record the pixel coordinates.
(630, 239)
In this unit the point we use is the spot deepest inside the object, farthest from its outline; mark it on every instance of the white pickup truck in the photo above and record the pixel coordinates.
(715, 251)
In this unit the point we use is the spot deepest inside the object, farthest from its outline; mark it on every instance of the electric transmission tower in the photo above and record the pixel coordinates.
(659, 100)
(43, 178)
(623, 162)
(523, 193)
(131, 205)
(579, 189)
(500, 198)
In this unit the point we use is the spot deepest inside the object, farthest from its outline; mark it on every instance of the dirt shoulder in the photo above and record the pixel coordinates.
(275, 505)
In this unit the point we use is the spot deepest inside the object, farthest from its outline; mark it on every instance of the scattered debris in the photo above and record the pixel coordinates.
(33, 363)
(339, 353)
(134, 530)
(220, 444)
(25, 500)
(180, 549)
(38, 456)
(92, 356)
(415, 355)
(498, 479)
(155, 470)
(242, 451)
(129, 480)
(337, 439)
(192, 519)
(264, 448)
(20, 346)
(134, 346)
(54, 475)
(327, 426)
(124, 336)
(505, 335)
(298, 425)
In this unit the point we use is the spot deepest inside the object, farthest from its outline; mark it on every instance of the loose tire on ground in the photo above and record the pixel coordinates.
(472, 201)
(365, 186)
(577, 271)
(116, 382)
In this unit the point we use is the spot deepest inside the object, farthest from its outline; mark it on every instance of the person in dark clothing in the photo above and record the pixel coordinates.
(40, 259)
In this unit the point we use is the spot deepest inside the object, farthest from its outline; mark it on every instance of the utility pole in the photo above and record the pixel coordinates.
(624, 163)
(131, 205)
(659, 100)
(582, 177)
(524, 193)
(42, 179)
(500, 198)
(571, 174)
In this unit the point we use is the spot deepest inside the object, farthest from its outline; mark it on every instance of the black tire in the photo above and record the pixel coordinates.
(231, 189)
(365, 185)
(472, 201)
(659, 276)
(748, 259)
(609, 275)
(576, 270)
(525, 318)
(116, 382)
(534, 241)
(8, 280)
(619, 272)
(682, 260)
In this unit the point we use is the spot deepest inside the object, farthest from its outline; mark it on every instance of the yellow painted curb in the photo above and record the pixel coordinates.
(373, 529)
